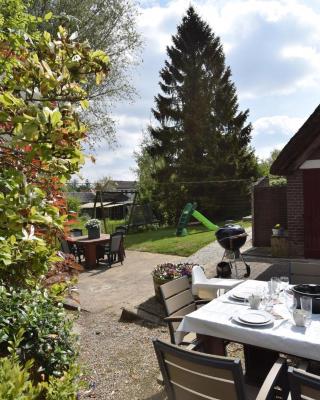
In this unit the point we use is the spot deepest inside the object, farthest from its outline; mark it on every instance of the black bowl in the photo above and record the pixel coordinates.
(310, 290)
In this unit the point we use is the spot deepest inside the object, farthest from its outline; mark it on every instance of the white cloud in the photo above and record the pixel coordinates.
(265, 151)
(277, 125)
(273, 49)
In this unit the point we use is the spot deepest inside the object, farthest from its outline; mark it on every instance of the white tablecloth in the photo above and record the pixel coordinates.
(215, 319)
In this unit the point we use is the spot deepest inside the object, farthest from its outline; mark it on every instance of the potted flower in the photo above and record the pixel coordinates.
(93, 227)
(277, 230)
(164, 273)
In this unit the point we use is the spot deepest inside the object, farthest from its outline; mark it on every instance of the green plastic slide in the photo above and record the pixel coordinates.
(207, 223)
(188, 212)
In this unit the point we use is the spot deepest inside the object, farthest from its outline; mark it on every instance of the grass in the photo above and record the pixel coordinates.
(165, 241)
(111, 224)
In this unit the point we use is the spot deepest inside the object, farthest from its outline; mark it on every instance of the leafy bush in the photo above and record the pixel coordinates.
(170, 271)
(15, 383)
(64, 388)
(73, 204)
(47, 334)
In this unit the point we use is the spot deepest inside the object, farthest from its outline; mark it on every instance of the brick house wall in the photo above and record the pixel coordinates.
(269, 207)
(295, 213)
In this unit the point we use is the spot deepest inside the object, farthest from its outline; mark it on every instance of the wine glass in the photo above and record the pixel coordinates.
(275, 287)
(306, 307)
(266, 299)
(284, 282)
(290, 301)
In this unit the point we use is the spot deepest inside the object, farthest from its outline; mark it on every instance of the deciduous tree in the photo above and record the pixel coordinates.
(109, 25)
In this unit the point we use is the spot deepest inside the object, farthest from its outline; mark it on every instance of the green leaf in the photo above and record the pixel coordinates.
(47, 36)
(48, 16)
(84, 104)
(55, 117)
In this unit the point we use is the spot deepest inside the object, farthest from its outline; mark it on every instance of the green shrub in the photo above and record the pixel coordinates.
(47, 334)
(64, 388)
(73, 204)
(15, 383)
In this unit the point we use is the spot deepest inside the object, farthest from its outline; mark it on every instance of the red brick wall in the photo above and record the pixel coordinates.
(295, 213)
(268, 209)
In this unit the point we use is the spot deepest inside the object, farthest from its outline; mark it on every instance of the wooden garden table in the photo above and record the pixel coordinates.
(90, 247)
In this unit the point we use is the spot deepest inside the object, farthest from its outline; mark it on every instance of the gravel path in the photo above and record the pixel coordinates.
(119, 358)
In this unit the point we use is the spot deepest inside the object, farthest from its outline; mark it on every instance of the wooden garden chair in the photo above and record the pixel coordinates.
(190, 375)
(178, 301)
(303, 385)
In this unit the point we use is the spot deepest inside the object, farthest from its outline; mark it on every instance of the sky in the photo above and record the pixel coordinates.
(273, 49)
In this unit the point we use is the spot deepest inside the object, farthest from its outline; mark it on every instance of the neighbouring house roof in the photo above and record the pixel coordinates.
(300, 147)
(105, 205)
(83, 197)
(89, 197)
(91, 205)
(125, 185)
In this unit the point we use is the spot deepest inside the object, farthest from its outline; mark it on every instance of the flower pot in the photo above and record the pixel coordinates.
(157, 282)
(275, 232)
(94, 233)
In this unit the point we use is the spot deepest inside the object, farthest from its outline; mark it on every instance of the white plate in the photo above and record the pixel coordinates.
(236, 318)
(254, 316)
(241, 295)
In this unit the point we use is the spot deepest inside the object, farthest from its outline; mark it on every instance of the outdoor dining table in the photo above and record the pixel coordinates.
(89, 247)
(214, 324)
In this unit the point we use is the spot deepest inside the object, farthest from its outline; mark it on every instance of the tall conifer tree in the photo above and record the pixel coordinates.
(200, 135)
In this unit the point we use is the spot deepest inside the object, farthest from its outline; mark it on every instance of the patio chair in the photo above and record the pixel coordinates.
(190, 375)
(303, 385)
(123, 230)
(304, 272)
(205, 288)
(178, 301)
(113, 250)
(71, 248)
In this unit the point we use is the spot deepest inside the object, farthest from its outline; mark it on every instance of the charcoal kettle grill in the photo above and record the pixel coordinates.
(232, 237)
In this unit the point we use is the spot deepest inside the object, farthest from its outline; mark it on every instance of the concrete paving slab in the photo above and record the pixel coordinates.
(130, 285)
(122, 286)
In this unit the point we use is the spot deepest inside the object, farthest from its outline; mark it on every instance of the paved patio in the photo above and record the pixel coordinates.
(130, 285)
(122, 286)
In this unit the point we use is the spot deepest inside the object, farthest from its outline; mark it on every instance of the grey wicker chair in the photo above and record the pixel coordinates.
(190, 375)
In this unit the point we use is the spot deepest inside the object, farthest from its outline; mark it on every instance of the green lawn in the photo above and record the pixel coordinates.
(165, 241)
